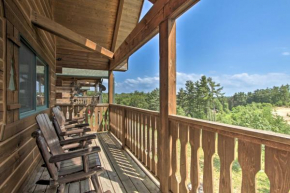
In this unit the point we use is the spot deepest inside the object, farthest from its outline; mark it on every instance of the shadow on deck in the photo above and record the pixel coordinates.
(121, 174)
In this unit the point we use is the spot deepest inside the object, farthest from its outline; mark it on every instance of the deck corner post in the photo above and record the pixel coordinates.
(111, 95)
(167, 73)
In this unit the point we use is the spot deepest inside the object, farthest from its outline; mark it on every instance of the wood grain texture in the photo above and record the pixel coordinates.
(277, 169)
(249, 156)
(195, 142)
(174, 159)
(226, 152)
(271, 139)
(167, 71)
(184, 166)
(208, 146)
(67, 34)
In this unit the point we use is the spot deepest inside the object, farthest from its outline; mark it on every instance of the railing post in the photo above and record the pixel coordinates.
(111, 94)
(167, 73)
(123, 135)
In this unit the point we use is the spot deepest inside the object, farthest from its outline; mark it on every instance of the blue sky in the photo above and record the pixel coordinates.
(244, 45)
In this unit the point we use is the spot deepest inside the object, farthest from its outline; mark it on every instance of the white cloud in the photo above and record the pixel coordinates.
(286, 53)
(242, 82)
(145, 84)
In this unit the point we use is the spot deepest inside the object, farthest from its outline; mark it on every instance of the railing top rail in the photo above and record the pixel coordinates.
(155, 113)
(85, 96)
(238, 131)
(95, 105)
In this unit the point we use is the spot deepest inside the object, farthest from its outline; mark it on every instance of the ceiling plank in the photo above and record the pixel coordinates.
(148, 27)
(117, 24)
(65, 33)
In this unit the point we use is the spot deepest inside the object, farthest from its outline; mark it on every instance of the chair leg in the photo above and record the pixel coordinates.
(61, 188)
(96, 184)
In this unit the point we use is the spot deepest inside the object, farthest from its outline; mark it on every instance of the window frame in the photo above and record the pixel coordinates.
(36, 109)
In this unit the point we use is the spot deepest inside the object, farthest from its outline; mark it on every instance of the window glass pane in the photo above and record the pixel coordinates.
(40, 84)
(26, 79)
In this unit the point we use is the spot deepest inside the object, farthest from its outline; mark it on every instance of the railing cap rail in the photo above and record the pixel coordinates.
(83, 105)
(155, 113)
(233, 129)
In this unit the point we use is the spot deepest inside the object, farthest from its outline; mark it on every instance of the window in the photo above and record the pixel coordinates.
(33, 87)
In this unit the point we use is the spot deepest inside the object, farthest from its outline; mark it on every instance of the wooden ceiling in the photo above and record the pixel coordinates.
(106, 22)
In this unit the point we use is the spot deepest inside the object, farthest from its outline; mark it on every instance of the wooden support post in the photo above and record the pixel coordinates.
(111, 94)
(167, 71)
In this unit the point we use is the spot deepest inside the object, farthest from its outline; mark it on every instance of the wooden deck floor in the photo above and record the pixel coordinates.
(121, 174)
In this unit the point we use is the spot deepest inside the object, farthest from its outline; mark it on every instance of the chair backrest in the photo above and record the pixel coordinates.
(43, 149)
(57, 128)
(60, 118)
(49, 133)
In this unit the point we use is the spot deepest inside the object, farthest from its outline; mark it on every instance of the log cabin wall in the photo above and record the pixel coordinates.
(64, 90)
(18, 152)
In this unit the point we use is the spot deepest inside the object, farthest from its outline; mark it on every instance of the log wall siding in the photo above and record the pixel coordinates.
(18, 152)
(2, 65)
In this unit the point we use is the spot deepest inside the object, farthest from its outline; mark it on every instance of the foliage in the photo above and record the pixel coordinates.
(257, 116)
(277, 96)
(204, 99)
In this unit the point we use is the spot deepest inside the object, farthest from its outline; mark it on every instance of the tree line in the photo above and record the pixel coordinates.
(204, 99)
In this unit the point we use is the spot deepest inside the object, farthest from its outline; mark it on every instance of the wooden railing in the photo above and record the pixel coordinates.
(137, 129)
(95, 115)
(85, 100)
(203, 134)
(130, 126)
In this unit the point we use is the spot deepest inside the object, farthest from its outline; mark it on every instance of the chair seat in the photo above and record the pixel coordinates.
(76, 164)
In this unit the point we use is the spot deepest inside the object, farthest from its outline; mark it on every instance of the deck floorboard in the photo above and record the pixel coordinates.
(121, 174)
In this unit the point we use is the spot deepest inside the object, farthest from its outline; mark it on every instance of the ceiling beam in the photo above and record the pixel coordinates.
(117, 24)
(148, 27)
(67, 34)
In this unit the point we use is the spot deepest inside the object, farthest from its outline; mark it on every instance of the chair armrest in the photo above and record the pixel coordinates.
(82, 125)
(69, 126)
(74, 154)
(75, 131)
(78, 139)
(72, 146)
(76, 119)
(70, 122)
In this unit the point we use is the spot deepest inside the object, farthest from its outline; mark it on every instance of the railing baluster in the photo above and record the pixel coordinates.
(144, 139)
(174, 158)
(96, 127)
(183, 135)
(139, 137)
(156, 145)
(101, 125)
(152, 164)
(194, 139)
(249, 156)
(277, 168)
(226, 152)
(135, 133)
(208, 146)
(87, 114)
(148, 142)
(106, 119)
